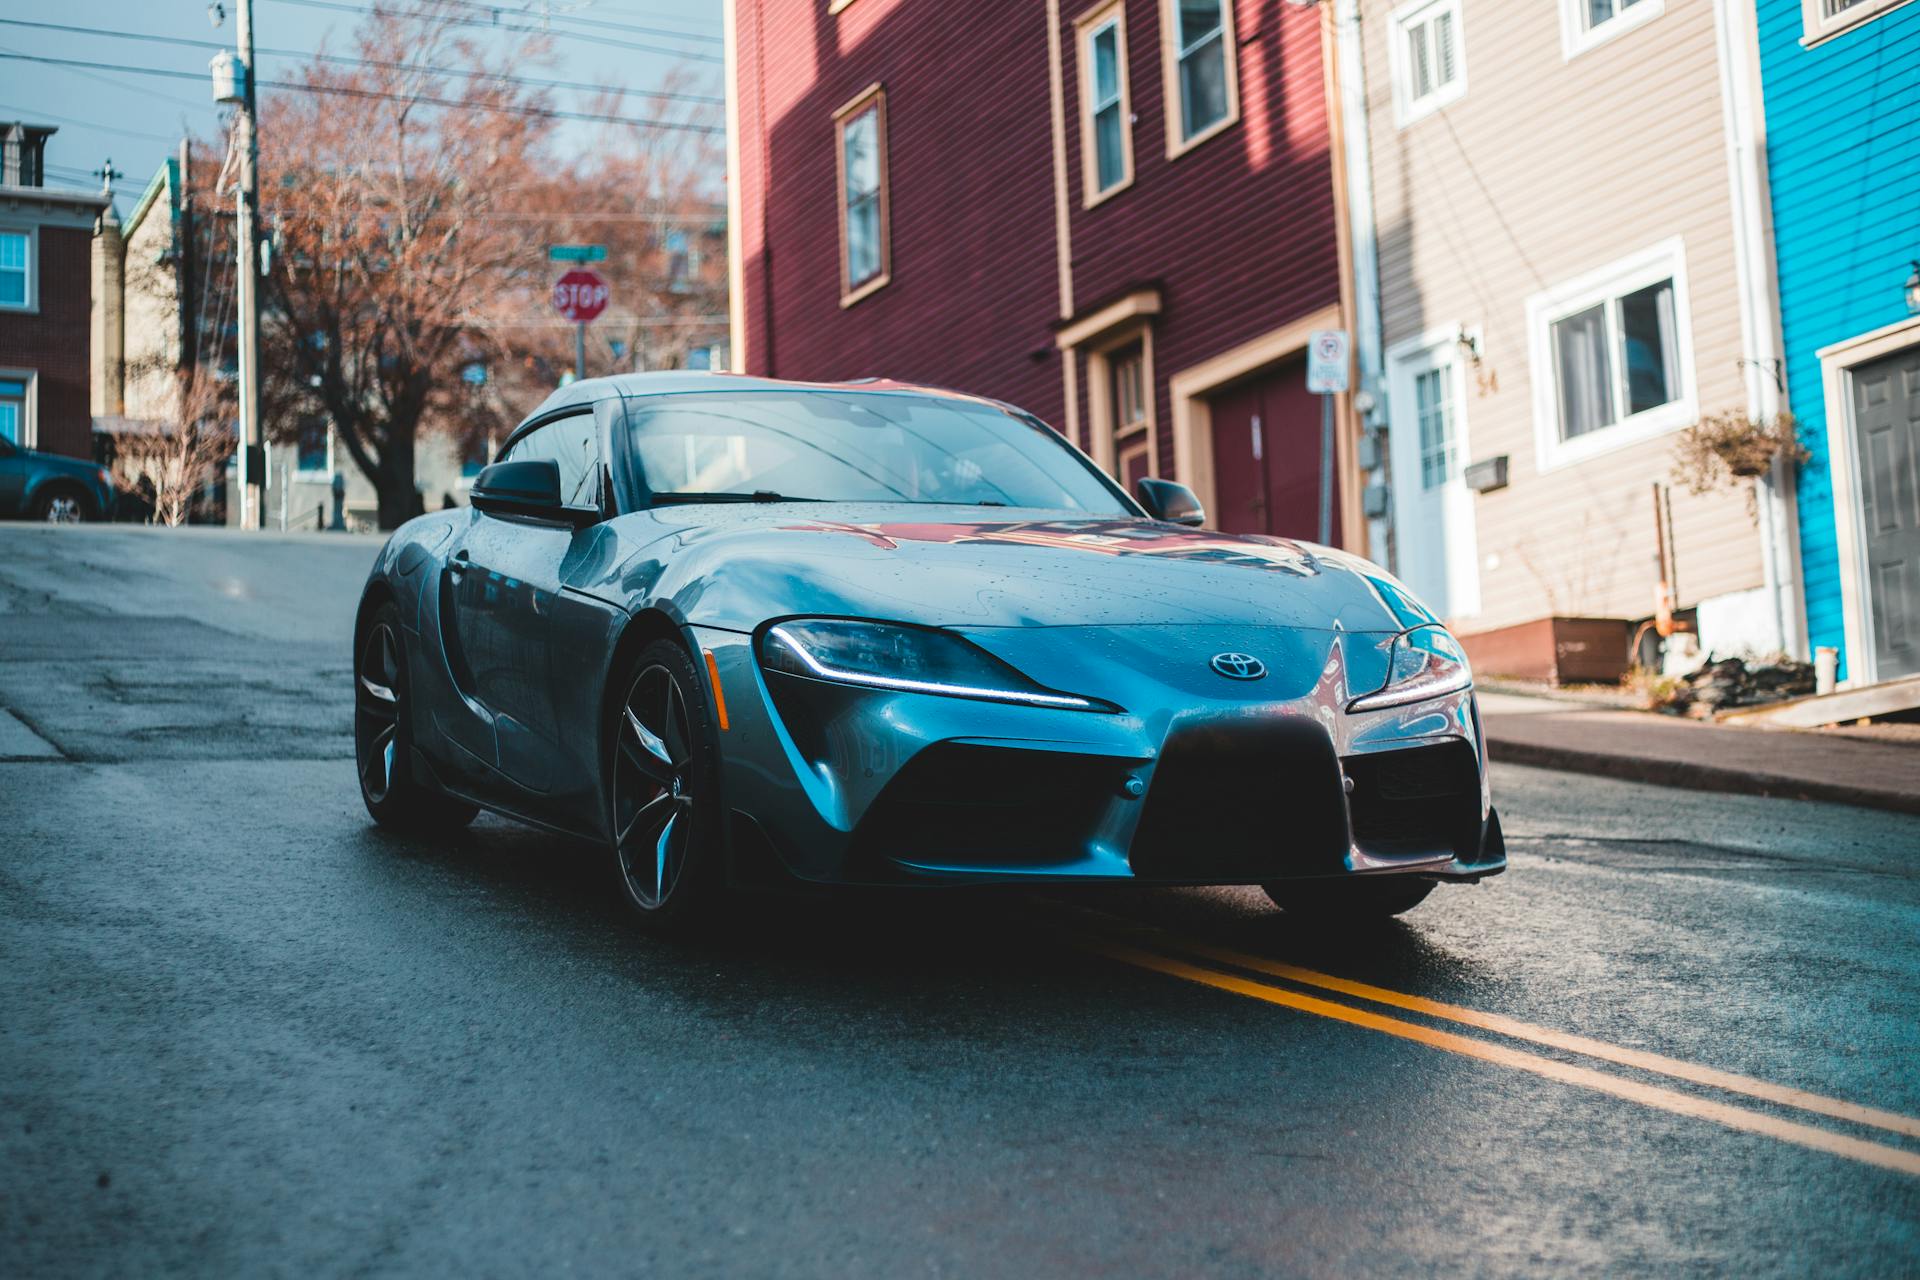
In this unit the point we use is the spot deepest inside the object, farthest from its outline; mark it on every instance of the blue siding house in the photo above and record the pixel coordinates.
(1841, 80)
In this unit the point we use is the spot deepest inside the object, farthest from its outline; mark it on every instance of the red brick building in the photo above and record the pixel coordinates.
(1121, 215)
(46, 245)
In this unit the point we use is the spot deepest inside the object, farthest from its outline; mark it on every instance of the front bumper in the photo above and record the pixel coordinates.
(1200, 780)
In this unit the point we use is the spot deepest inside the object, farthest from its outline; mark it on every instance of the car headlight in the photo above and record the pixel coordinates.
(884, 655)
(1426, 663)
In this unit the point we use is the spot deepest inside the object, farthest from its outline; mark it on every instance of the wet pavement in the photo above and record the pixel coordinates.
(243, 1032)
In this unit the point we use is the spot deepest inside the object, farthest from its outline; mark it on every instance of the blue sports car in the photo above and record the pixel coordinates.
(736, 630)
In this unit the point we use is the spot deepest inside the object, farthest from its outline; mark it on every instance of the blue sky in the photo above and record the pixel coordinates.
(138, 119)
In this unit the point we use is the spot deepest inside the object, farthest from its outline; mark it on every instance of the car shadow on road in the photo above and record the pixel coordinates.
(919, 945)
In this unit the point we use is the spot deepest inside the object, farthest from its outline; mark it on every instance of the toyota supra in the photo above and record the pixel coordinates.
(729, 629)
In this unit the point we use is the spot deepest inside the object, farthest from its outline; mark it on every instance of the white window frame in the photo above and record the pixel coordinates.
(1666, 260)
(1112, 13)
(872, 98)
(31, 231)
(30, 408)
(1816, 27)
(1172, 101)
(1406, 107)
(1577, 38)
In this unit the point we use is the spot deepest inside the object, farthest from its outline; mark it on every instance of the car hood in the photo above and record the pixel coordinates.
(973, 567)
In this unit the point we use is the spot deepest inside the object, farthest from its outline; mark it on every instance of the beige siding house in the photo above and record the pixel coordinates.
(1560, 295)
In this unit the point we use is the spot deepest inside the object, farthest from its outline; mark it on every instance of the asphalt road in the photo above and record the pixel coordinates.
(244, 1033)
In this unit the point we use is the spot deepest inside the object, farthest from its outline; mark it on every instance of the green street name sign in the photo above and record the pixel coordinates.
(576, 253)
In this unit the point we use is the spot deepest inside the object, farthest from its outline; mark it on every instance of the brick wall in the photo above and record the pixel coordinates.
(54, 342)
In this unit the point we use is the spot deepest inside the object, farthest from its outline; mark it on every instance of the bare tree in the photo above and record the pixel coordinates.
(410, 211)
(381, 204)
(170, 460)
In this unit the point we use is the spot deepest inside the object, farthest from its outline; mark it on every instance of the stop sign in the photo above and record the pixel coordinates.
(580, 295)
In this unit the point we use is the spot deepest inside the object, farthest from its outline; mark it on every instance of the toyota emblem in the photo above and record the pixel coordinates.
(1239, 666)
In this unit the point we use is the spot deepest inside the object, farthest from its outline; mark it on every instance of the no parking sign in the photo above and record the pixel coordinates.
(1327, 361)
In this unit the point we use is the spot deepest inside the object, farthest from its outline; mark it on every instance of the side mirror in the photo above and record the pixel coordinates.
(530, 490)
(1174, 503)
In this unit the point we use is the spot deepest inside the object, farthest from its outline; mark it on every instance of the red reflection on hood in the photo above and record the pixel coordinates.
(1103, 537)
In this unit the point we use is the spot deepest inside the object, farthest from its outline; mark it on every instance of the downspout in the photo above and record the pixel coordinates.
(736, 252)
(1357, 152)
(1764, 369)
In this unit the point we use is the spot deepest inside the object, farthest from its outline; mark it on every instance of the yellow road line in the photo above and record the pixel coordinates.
(1648, 1095)
(1660, 1064)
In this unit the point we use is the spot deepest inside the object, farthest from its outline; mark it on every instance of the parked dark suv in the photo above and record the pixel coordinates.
(46, 486)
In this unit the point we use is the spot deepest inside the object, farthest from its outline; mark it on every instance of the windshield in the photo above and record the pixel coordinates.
(859, 446)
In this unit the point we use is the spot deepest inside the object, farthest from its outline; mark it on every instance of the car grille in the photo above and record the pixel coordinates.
(1240, 803)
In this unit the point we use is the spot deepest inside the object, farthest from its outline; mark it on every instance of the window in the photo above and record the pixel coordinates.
(1433, 404)
(1823, 19)
(1129, 366)
(15, 269)
(13, 410)
(1429, 58)
(861, 136)
(1587, 23)
(313, 448)
(475, 450)
(1202, 75)
(1106, 135)
(573, 443)
(1612, 357)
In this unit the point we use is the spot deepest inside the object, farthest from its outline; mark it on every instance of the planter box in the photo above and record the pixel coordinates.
(1556, 650)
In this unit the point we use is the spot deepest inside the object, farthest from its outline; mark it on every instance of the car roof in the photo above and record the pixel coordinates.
(681, 381)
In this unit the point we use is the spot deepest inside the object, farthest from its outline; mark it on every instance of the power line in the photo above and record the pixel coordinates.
(527, 81)
(129, 88)
(544, 113)
(496, 25)
(600, 23)
(36, 114)
(650, 15)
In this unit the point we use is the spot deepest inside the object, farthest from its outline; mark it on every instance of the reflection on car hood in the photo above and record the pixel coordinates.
(737, 566)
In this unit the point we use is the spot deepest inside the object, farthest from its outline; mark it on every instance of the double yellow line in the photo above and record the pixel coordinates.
(1661, 1097)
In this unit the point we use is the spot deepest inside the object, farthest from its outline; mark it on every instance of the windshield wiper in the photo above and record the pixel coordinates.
(758, 495)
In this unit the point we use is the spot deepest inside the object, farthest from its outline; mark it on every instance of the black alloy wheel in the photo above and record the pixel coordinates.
(382, 734)
(663, 778)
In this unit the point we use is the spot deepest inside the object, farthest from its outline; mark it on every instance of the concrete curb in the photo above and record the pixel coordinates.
(1698, 777)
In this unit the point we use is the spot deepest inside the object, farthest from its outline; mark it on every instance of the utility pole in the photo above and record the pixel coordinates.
(246, 204)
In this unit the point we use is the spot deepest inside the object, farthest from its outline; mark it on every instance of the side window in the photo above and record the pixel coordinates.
(573, 444)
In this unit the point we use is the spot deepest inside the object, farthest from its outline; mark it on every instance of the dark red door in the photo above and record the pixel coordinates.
(1266, 457)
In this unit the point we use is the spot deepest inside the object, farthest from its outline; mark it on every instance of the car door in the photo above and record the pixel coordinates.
(505, 575)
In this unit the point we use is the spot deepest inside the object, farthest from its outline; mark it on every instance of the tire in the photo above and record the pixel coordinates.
(663, 794)
(1369, 898)
(62, 504)
(383, 737)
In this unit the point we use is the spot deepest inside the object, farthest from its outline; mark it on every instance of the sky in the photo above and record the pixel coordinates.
(138, 119)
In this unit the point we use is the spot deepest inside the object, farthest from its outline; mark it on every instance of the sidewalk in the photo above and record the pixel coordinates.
(1643, 747)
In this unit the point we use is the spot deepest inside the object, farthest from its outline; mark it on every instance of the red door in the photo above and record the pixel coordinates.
(1266, 457)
